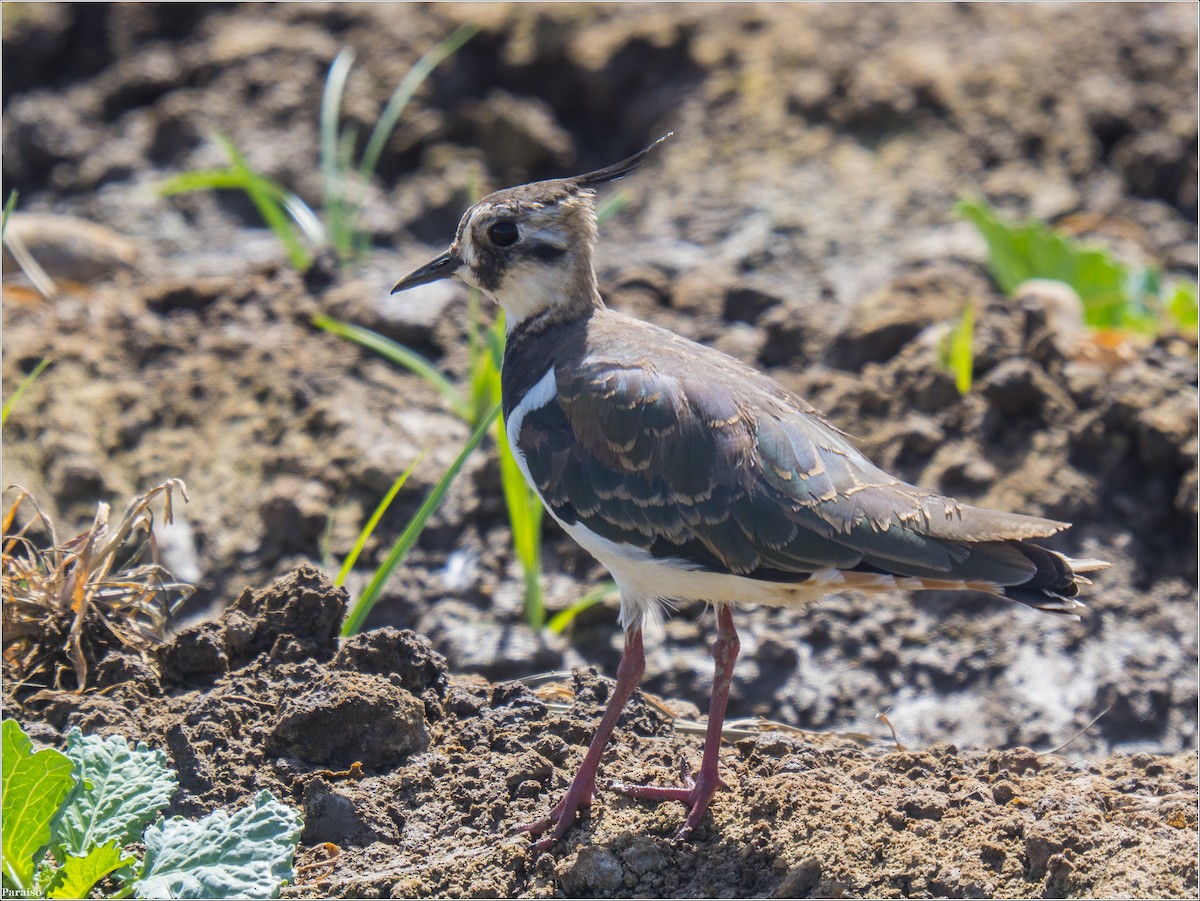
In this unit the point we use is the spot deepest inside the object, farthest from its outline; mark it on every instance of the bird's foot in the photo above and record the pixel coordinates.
(696, 794)
(563, 816)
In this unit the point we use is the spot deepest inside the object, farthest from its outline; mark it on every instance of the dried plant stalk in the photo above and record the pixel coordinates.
(62, 600)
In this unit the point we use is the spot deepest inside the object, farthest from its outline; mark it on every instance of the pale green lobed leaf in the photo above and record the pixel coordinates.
(244, 855)
(123, 790)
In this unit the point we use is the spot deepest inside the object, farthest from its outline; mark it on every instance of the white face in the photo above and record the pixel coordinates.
(529, 257)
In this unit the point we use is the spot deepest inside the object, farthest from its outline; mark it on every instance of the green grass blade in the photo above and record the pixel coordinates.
(1182, 307)
(369, 528)
(25, 383)
(962, 358)
(264, 194)
(525, 519)
(202, 180)
(399, 354)
(234, 178)
(362, 607)
(9, 206)
(333, 175)
(404, 92)
(563, 619)
(613, 205)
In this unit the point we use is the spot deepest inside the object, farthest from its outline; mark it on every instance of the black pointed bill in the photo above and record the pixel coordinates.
(442, 267)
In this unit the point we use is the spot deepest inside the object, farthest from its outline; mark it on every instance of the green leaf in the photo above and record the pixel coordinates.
(1182, 307)
(421, 70)
(362, 607)
(352, 557)
(25, 383)
(9, 206)
(265, 196)
(35, 786)
(959, 358)
(561, 620)
(610, 207)
(333, 177)
(1115, 295)
(247, 854)
(123, 790)
(79, 875)
(274, 202)
(525, 518)
(398, 354)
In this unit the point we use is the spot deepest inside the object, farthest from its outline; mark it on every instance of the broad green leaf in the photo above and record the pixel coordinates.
(35, 786)
(1115, 295)
(79, 875)
(123, 790)
(247, 854)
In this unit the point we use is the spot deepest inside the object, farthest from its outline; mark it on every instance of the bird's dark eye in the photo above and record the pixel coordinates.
(504, 233)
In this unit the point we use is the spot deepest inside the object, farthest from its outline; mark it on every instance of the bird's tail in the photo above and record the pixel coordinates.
(1055, 584)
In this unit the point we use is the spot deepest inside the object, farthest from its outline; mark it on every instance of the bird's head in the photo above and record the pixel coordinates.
(530, 247)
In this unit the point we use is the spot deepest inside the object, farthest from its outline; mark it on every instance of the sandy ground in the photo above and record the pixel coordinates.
(800, 219)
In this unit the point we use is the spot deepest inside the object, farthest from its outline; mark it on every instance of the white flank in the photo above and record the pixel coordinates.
(535, 398)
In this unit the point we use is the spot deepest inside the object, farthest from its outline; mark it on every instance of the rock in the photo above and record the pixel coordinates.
(522, 136)
(1165, 430)
(800, 879)
(879, 326)
(294, 515)
(594, 869)
(1054, 318)
(66, 248)
(197, 654)
(745, 303)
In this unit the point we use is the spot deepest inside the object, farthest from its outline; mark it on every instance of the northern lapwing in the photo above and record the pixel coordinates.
(691, 476)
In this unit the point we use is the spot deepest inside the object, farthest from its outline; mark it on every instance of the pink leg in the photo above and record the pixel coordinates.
(583, 786)
(698, 793)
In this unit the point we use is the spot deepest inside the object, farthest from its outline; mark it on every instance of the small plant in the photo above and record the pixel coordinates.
(68, 818)
(1116, 295)
(343, 183)
(278, 206)
(22, 388)
(358, 613)
(64, 601)
(955, 355)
